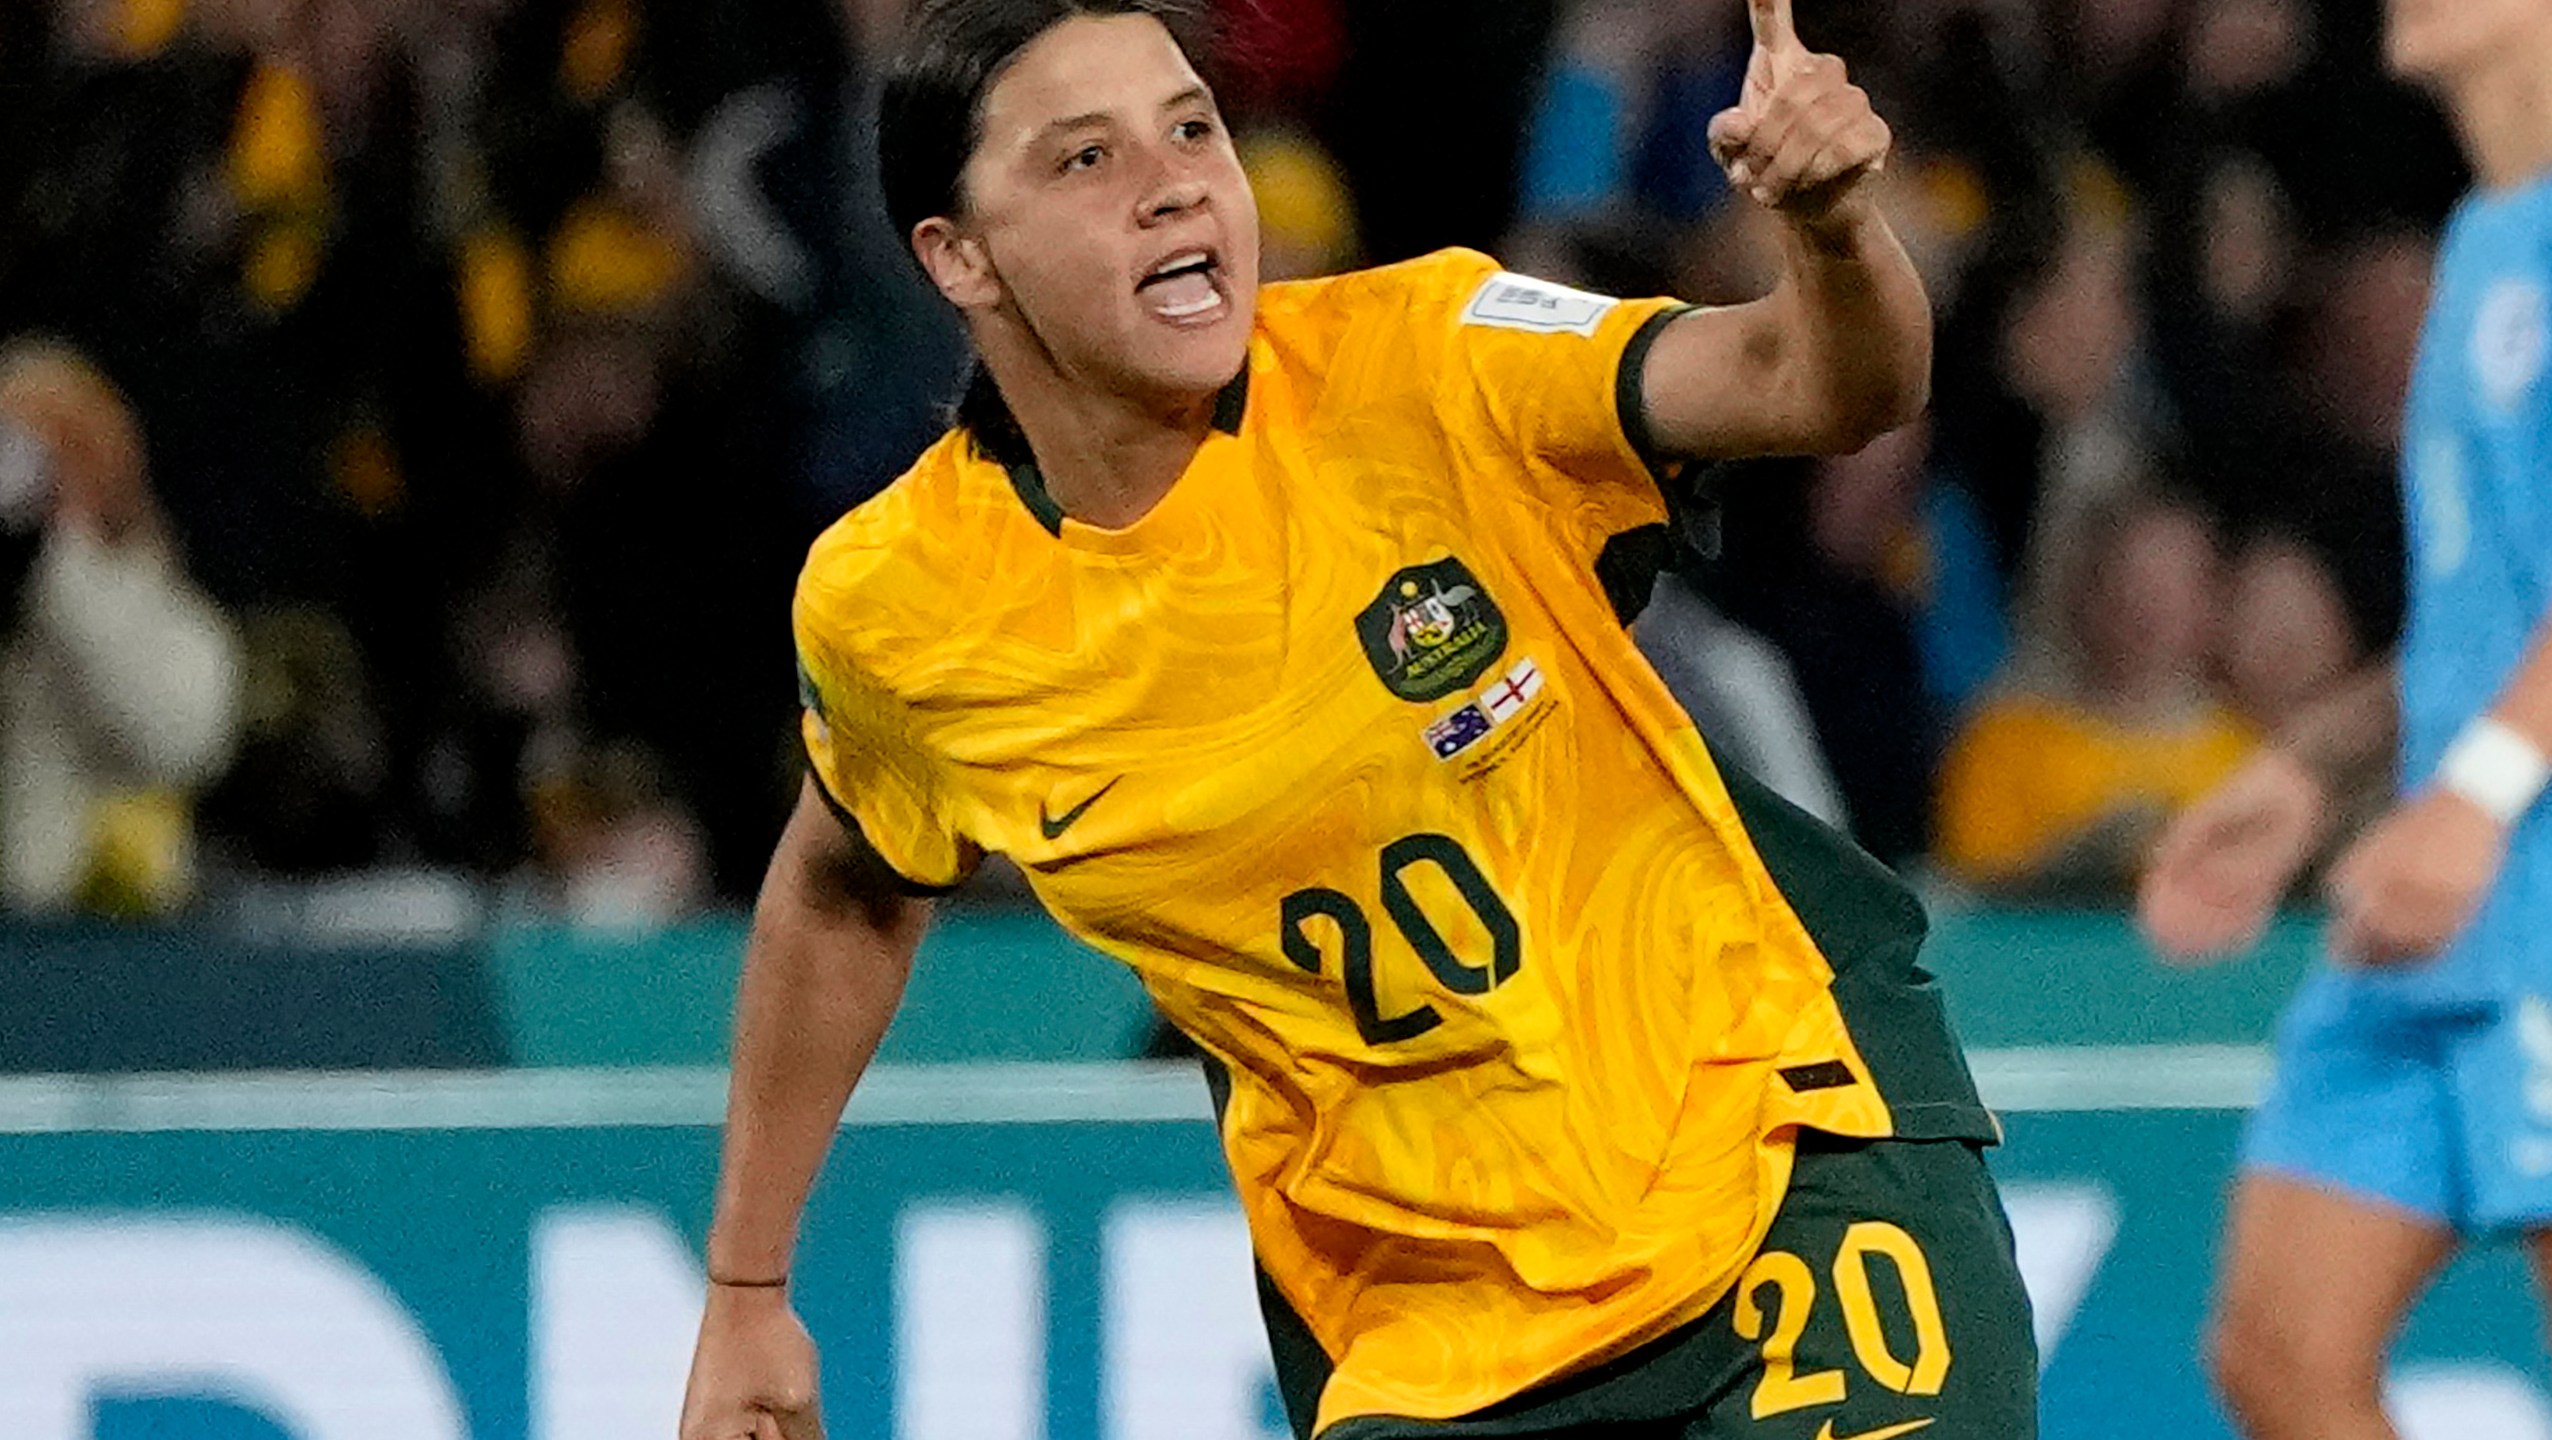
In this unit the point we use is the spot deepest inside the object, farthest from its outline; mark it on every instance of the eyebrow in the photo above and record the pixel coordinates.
(1069, 123)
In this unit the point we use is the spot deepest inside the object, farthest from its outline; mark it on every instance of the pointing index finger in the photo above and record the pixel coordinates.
(1773, 30)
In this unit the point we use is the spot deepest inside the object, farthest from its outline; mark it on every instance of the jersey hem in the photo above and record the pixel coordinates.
(895, 879)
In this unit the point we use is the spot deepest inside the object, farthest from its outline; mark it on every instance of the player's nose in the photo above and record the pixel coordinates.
(1174, 196)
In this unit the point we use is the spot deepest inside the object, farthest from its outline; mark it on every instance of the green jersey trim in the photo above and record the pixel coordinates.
(1231, 408)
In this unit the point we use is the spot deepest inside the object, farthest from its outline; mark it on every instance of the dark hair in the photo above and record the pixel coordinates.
(930, 115)
(930, 119)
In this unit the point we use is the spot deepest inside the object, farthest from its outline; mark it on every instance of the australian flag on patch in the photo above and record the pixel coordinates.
(1458, 731)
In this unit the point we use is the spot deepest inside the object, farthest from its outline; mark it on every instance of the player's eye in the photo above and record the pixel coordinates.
(1085, 158)
(1194, 130)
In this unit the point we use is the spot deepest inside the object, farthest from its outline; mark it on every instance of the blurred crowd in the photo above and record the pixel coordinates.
(2179, 251)
(484, 369)
(412, 412)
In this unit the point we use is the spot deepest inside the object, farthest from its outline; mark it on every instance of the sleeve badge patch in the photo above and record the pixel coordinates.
(1520, 302)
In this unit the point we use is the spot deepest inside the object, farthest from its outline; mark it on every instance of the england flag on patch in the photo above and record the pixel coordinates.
(1514, 692)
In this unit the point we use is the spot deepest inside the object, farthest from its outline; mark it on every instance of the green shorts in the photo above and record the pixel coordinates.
(1884, 1302)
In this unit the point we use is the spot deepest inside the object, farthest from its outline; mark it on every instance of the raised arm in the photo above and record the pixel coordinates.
(1841, 351)
(832, 943)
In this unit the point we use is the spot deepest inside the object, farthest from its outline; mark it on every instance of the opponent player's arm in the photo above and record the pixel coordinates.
(2499, 762)
(2420, 875)
(1841, 351)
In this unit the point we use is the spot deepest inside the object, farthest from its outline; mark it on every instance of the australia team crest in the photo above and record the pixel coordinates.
(1433, 630)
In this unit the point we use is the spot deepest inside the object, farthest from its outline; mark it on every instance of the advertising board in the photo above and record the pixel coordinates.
(1013, 1252)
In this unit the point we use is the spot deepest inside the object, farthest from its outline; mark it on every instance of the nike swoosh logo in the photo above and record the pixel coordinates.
(1054, 826)
(1826, 1431)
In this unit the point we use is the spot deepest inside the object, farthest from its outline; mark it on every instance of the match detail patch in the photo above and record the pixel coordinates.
(1520, 302)
(1476, 721)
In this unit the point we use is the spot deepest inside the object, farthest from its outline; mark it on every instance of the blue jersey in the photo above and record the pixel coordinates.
(2477, 484)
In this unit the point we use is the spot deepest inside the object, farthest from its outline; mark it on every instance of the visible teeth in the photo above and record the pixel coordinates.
(1180, 262)
(1193, 307)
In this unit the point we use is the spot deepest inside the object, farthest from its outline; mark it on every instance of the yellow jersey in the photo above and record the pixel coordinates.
(1345, 749)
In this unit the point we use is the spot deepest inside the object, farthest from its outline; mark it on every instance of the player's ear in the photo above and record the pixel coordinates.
(957, 263)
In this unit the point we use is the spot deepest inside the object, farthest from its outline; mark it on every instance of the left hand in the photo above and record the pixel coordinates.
(2408, 886)
(1803, 137)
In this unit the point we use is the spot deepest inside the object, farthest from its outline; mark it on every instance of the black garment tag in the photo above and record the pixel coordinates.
(1824, 1075)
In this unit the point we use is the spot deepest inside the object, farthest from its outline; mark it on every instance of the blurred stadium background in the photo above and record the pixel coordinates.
(411, 415)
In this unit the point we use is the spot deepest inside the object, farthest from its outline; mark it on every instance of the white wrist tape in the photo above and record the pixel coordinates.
(2496, 768)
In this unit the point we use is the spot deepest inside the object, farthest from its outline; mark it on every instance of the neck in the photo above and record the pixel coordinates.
(2503, 110)
(1106, 458)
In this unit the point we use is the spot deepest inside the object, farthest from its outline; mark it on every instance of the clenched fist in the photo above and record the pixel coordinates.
(754, 1374)
(1803, 136)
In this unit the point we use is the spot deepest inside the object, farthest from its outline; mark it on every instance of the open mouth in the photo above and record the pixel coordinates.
(1186, 288)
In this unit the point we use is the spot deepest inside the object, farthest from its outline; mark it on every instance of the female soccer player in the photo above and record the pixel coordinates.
(1571, 1085)
(2413, 1099)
